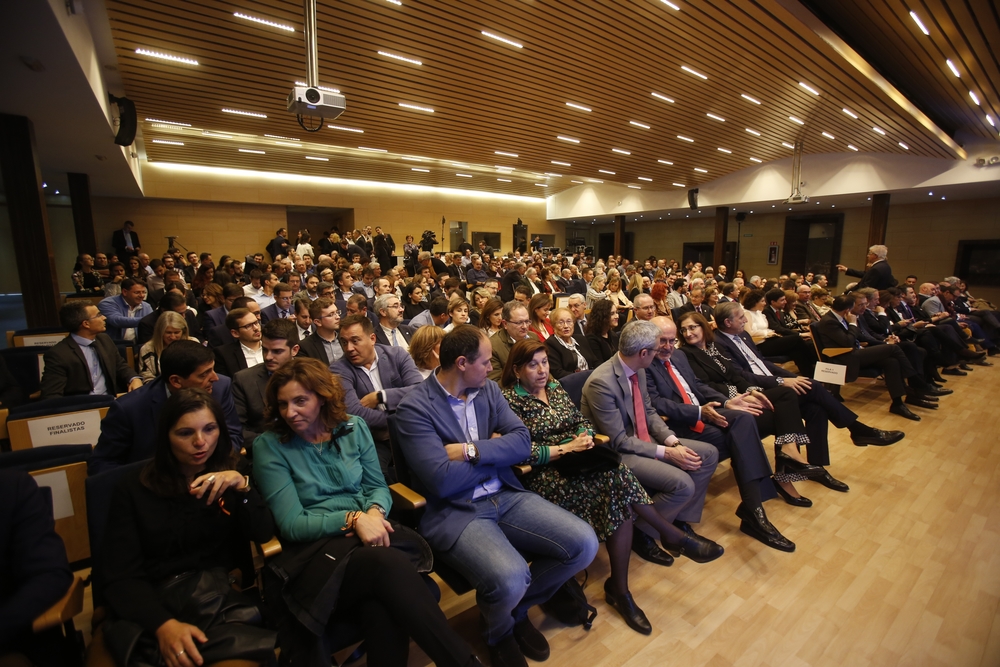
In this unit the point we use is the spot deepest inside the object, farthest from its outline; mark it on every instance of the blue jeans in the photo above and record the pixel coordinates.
(487, 554)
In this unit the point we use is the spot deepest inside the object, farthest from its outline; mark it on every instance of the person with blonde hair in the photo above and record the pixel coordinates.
(170, 327)
(425, 347)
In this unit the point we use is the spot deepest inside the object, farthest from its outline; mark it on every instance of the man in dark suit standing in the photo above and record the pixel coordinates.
(86, 361)
(877, 274)
(280, 340)
(125, 242)
(278, 245)
(390, 329)
(129, 429)
(244, 349)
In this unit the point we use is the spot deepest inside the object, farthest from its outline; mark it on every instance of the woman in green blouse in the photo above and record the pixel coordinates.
(608, 501)
(341, 559)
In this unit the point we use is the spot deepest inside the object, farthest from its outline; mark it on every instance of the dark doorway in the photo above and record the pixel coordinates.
(606, 245)
(492, 241)
(812, 245)
(705, 253)
(318, 220)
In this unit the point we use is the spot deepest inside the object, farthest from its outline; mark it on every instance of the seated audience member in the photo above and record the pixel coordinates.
(126, 431)
(602, 334)
(538, 312)
(460, 438)
(11, 394)
(645, 307)
(303, 321)
(708, 375)
(35, 573)
(435, 315)
(515, 328)
(566, 354)
(661, 302)
(243, 350)
(87, 361)
(280, 341)
(491, 317)
(281, 309)
(804, 312)
(596, 291)
(838, 328)
(216, 302)
(413, 303)
(607, 499)
(170, 328)
(390, 329)
(458, 313)
(697, 304)
(116, 275)
(375, 379)
(877, 273)
(910, 322)
(318, 469)
(617, 294)
(125, 311)
(85, 279)
(221, 335)
(675, 471)
(171, 302)
(323, 343)
(425, 349)
(678, 295)
(765, 312)
(523, 295)
(941, 306)
(191, 510)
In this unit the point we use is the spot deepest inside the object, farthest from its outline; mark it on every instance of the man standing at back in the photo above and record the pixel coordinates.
(877, 273)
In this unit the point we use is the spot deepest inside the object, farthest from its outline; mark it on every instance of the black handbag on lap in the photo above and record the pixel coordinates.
(590, 461)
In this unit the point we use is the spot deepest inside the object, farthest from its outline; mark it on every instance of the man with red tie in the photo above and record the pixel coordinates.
(697, 411)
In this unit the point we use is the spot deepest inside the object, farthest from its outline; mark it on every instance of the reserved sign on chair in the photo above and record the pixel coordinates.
(831, 373)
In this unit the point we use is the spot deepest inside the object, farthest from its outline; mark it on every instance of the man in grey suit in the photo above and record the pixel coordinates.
(86, 361)
(391, 330)
(676, 472)
(375, 379)
(280, 340)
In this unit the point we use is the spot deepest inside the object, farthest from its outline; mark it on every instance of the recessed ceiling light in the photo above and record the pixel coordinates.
(756, 159)
(578, 106)
(165, 56)
(787, 145)
(852, 147)
(549, 173)
(750, 99)
(57, 192)
(637, 124)
(828, 135)
(569, 139)
(580, 182)
(849, 113)
(671, 5)
(700, 170)
(464, 175)
(974, 98)
(806, 86)
(687, 139)
(753, 132)
(665, 162)
(879, 130)
(250, 150)
(680, 185)
(691, 71)
(395, 2)
(237, 112)
(930, 194)
(605, 171)
(415, 107)
(419, 169)
(594, 180)
(904, 146)
(502, 39)
(662, 97)
(216, 135)
(796, 120)
(714, 117)
(724, 150)
(954, 70)
(345, 129)
(168, 122)
(169, 143)
(916, 19)
(542, 185)
(272, 24)
(619, 150)
(635, 187)
(327, 89)
(373, 150)
(562, 164)
(317, 159)
(643, 178)
(505, 154)
(412, 61)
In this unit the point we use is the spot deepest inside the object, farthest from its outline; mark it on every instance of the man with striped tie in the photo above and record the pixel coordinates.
(390, 330)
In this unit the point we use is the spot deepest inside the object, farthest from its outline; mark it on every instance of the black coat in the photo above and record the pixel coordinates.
(67, 374)
(878, 275)
(563, 362)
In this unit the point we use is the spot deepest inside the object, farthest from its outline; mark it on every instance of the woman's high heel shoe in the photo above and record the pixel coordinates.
(801, 501)
(785, 463)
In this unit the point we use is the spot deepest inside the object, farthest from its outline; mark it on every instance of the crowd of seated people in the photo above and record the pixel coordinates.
(298, 364)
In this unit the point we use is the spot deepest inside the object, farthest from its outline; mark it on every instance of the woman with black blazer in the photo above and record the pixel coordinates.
(566, 354)
(601, 335)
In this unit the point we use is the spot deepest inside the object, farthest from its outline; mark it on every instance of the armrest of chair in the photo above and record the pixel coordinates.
(406, 498)
(836, 351)
(603, 439)
(65, 609)
(271, 548)
(521, 470)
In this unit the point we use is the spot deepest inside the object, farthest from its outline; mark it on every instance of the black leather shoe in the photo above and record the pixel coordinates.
(646, 548)
(831, 482)
(755, 524)
(629, 610)
(801, 501)
(966, 353)
(531, 641)
(982, 362)
(965, 367)
(783, 462)
(953, 371)
(879, 438)
(506, 653)
(903, 411)
(934, 391)
(920, 402)
(992, 351)
(697, 548)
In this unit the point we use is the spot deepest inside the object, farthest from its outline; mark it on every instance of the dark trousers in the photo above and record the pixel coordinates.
(891, 362)
(796, 347)
(819, 409)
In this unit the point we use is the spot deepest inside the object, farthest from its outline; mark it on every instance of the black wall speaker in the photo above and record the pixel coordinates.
(741, 216)
(693, 198)
(126, 120)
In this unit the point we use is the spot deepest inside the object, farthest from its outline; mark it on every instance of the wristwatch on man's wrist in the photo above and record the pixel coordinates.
(472, 453)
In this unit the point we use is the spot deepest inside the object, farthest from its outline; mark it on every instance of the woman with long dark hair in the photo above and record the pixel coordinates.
(601, 333)
(204, 275)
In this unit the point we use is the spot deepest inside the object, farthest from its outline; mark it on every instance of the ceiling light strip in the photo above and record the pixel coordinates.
(412, 61)
(168, 122)
(569, 139)
(806, 86)
(696, 73)
(502, 39)
(317, 159)
(250, 150)
(345, 129)
(415, 107)
(620, 151)
(638, 124)
(505, 154)
(166, 56)
(238, 112)
(168, 142)
(329, 90)
(750, 99)
(662, 97)
(578, 106)
(916, 19)
(271, 24)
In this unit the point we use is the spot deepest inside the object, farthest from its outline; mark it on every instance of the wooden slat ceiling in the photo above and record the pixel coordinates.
(487, 96)
(966, 32)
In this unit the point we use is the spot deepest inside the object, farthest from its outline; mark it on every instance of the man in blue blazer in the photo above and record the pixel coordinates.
(125, 311)
(375, 379)
(128, 431)
(818, 406)
(460, 437)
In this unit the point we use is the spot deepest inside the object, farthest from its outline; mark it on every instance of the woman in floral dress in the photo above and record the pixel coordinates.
(609, 501)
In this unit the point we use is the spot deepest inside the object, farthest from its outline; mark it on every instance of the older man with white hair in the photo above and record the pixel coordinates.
(877, 273)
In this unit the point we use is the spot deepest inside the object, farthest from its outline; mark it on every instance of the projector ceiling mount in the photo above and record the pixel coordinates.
(311, 101)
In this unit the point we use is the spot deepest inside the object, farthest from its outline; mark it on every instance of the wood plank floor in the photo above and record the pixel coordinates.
(902, 570)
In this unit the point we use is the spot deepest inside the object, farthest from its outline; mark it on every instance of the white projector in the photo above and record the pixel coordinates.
(309, 101)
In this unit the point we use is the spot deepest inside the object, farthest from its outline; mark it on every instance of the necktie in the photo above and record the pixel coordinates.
(283, 314)
(700, 426)
(759, 368)
(395, 342)
(641, 430)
